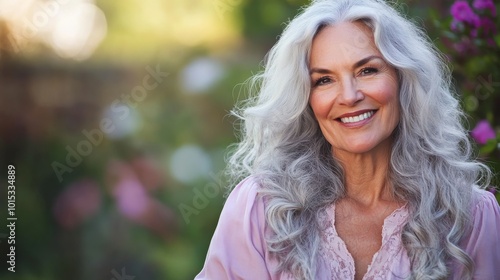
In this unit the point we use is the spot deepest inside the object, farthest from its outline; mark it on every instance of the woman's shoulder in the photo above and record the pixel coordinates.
(248, 185)
(245, 206)
(483, 200)
(245, 194)
(485, 213)
(483, 242)
(238, 247)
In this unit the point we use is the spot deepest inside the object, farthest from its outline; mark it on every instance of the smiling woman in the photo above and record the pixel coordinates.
(356, 161)
(354, 97)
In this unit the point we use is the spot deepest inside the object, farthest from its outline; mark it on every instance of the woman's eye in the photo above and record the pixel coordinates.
(368, 71)
(322, 81)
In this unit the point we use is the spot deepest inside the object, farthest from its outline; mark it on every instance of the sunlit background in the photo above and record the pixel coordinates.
(115, 115)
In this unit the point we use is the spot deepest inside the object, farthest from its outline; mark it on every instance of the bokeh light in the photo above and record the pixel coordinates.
(189, 163)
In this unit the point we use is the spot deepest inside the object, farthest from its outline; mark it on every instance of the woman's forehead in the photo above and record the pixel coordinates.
(345, 42)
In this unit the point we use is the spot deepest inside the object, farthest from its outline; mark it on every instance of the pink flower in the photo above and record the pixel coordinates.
(148, 172)
(461, 11)
(456, 25)
(483, 132)
(485, 5)
(493, 190)
(488, 26)
(464, 46)
(132, 199)
(77, 203)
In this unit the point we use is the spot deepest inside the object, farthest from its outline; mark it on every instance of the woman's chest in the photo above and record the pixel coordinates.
(362, 237)
(356, 247)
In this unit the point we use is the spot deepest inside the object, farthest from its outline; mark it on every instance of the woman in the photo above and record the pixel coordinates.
(359, 166)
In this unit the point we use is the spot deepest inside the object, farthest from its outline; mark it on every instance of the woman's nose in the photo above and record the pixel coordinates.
(350, 94)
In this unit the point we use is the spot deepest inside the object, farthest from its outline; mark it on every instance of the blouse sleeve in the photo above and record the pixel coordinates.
(483, 245)
(238, 248)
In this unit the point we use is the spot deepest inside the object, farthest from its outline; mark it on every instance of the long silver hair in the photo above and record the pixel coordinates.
(430, 166)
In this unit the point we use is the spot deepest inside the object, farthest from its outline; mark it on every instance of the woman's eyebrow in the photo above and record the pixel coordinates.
(365, 60)
(319, 70)
(359, 63)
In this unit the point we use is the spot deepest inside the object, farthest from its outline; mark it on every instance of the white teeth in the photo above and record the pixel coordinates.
(359, 118)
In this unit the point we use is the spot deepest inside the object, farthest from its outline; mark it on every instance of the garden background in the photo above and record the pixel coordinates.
(115, 117)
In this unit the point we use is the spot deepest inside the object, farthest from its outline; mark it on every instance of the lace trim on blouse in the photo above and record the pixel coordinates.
(340, 263)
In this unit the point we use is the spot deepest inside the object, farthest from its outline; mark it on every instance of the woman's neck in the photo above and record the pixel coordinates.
(366, 176)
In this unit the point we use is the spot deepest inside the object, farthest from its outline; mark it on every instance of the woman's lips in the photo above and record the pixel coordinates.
(355, 117)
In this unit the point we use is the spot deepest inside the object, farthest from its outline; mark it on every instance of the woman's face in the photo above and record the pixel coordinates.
(354, 92)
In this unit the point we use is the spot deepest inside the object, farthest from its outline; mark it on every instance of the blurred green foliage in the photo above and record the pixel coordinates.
(472, 51)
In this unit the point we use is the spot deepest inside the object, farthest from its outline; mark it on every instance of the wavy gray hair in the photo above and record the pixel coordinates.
(430, 166)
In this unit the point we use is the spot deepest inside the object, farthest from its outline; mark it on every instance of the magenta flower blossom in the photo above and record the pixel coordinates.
(461, 11)
(132, 199)
(456, 25)
(465, 46)
(488, 29)
(485, 5)
(77, 203)
(488, 26)
(493, 190)
(483, 132)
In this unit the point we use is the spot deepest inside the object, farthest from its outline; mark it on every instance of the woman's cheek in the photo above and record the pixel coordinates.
(321, 104)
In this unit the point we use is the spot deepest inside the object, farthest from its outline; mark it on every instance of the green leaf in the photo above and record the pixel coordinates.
(489, 147)
(497, 39)
(450, 35)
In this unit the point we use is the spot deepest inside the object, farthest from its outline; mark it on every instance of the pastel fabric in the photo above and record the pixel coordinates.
(238, 249)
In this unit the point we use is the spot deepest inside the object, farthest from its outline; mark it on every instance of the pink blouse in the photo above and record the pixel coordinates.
(238, 249)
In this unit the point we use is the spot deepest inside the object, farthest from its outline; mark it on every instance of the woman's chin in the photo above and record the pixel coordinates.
(357, 147)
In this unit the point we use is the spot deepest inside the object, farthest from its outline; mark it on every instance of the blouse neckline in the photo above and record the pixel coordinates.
(334, 248)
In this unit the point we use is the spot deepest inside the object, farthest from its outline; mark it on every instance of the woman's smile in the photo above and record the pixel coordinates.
(356, 118)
